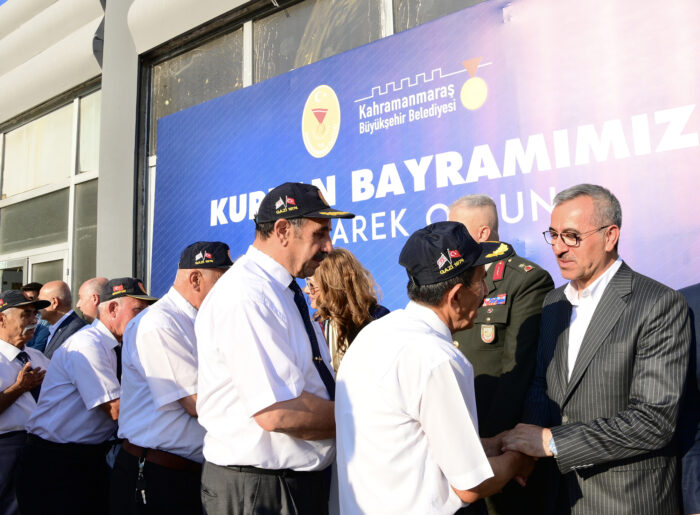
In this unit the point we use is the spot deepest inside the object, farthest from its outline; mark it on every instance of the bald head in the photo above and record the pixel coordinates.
(195, 283)
(478, 214)
(58, 294)
(89, 297)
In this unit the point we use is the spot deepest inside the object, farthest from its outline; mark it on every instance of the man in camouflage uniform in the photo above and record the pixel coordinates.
(502, 345)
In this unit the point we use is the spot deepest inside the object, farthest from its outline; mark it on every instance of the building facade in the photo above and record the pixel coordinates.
(83, 84)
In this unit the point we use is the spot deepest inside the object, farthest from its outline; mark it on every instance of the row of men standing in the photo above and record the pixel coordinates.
(269, 417)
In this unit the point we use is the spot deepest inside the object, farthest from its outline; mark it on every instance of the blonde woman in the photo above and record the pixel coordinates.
(344, 295)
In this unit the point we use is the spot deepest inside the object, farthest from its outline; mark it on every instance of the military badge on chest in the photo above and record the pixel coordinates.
(488, 333)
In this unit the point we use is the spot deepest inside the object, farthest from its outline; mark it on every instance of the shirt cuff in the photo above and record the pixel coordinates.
(553, 447)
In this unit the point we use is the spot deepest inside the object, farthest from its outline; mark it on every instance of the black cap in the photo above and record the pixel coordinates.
(15, 299)
(205, 254)
(125, 287)
(443, 250)
(296, 200)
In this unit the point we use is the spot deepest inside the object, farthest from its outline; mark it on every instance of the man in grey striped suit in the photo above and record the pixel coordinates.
(612, 355)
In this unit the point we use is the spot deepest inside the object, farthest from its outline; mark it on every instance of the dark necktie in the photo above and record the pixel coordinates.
(118, 352)
(323, 371)
(24, 358)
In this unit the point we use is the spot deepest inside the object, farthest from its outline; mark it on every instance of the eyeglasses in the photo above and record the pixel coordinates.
(311, 287)
(570, 239)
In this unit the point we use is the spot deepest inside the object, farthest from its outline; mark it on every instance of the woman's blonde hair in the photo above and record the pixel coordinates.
(347, 294)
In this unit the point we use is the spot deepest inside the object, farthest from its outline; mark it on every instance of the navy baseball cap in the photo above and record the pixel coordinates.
(125, 287)
(15, 299)
(296, 200)
(206, 254)
(444, 250)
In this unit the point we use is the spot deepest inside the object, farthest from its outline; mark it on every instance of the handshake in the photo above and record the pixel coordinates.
(518, 449)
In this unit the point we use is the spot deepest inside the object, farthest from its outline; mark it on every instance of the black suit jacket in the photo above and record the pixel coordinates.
(613, 421)
(689, 418)
(72, 324)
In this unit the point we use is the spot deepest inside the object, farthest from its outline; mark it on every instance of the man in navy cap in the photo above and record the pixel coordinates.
(407, 429)
(22, 370)
(159, 466)
(265, 379)
(77, 411)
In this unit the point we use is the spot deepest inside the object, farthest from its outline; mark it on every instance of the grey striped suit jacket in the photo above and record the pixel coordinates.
(614, 420)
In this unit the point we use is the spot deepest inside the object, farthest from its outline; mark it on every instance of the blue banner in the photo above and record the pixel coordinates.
(516, 100)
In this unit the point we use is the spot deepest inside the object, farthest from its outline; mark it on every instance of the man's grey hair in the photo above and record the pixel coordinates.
(478, 200)
(607, 207)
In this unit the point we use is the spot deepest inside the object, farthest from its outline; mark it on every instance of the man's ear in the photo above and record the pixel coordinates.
(283, 231)
(113, 309)
(454, 298)
(612, 236)
(484, 233)
(195, 280)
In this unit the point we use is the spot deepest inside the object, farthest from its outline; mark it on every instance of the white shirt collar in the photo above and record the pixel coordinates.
(595, 290)
(270, 266)
(430, 318)
(182, 303)
(109, 341)
(8, 350)
(53, 327)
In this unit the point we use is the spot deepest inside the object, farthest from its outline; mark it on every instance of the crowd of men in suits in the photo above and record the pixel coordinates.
(492, 391)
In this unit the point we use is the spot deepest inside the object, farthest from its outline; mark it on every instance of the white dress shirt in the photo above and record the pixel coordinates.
(159, 366)
(406, 423)
(82, 375)
(16, 415)
(253, 352)
(583, 305)
(54, 327)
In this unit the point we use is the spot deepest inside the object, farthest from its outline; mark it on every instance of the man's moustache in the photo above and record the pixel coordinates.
(30, 327)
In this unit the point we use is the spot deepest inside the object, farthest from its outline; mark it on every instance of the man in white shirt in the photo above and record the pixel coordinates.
(77, 411)
(265, 379)
(612, 358)
(159, 467)
(22, 371)
(407, 430)
(59, 314)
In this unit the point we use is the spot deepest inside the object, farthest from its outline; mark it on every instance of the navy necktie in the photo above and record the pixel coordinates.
(118, 352)
(24, 358)
(323, 371)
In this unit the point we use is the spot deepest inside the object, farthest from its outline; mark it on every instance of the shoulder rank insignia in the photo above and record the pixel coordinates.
(495, 301)
(498, 270)
(488, 333)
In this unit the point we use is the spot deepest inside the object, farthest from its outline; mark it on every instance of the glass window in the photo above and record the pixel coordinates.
(47, 271)
(85, 233)
(89, 145)
(410, 13)
(34, 223)
(310, 31)
(206, 72)
(38, 153)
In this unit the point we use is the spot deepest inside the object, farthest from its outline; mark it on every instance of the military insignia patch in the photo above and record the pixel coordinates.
(495, 301)
(488, 333)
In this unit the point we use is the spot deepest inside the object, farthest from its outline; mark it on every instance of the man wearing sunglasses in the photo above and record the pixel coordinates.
(612, 356)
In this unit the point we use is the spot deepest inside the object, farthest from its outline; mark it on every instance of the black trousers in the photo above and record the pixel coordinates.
(59, 479)
(248, 491)
(167, 491)
(11, 445)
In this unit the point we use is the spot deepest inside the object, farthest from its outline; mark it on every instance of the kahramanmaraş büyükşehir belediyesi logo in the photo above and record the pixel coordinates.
(320, 121)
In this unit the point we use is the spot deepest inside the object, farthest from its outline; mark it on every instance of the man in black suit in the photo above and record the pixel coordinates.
(59, 314)
(689, 418)
(612, 359)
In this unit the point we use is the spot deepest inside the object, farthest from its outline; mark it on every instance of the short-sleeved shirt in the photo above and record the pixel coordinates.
(16, 415)
(82, 376)
(253, 352)
(159, 367)
(406, 422)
